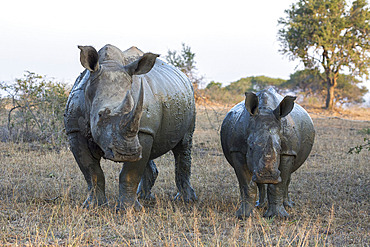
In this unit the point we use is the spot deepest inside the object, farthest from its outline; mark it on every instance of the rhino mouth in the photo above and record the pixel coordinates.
(267, 179)
(119, 156)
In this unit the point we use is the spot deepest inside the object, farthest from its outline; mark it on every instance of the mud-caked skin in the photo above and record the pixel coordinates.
(130, 107)
(265, 139)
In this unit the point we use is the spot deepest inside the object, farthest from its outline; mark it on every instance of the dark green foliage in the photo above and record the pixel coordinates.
(359, 148)
(328, 34)
(35, 109)
(213, 84)
(366, 145)
(310, 83)
(254, 84)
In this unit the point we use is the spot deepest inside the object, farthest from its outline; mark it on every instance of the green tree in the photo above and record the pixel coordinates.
(254, 83)
(186, 63)
(328, 34)
(214, 84)
(312, 83)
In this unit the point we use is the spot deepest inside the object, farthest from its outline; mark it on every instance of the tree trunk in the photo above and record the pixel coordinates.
(332, 82)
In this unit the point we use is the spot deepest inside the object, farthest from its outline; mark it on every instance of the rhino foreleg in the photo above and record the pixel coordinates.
(89, 163)
(248, 189)
(182, 153)
(147, 181)
(277, 194)
(131, 174)
(262, 201)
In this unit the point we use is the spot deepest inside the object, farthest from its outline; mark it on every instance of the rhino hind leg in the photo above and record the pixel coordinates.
(89, 162)
(248, 188)
(287, 201)
(182, 154)
(147, 181)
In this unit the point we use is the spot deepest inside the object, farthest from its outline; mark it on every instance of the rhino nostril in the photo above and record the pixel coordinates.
(109, 153)
(104, 112)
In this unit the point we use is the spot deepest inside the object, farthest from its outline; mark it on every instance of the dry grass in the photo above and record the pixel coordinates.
(41, 193)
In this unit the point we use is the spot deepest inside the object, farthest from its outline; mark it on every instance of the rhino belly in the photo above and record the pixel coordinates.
(177, 122)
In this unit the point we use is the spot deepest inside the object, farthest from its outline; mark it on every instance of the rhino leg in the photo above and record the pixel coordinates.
(276, 193)
(182, 153)
(147, 181)
(88, 159)
(248, 189)
(287, 201)
(262, 201)
(131, 174)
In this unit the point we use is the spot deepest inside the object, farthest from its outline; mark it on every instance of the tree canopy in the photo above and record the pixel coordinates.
(184, 60)
(311, 83)
(328, 35)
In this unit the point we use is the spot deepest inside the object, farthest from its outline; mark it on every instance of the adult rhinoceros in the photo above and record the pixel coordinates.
(266, 138)
(130, 107)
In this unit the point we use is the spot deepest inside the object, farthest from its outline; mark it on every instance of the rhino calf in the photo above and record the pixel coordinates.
(265, 138)
(130, 107)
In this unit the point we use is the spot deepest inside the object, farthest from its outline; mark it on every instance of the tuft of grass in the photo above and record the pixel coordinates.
(41, 193)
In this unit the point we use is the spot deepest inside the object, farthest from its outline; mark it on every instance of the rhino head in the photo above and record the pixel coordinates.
(264, 140)
(114, 115)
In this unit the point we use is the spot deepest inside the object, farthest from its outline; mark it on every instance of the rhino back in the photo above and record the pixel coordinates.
(169, 107)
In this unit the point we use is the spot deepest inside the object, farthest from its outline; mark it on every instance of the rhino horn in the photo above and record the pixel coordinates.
(127, 104)
(133, 127)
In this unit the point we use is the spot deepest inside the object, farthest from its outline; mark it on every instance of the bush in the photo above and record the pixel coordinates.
(34, 110)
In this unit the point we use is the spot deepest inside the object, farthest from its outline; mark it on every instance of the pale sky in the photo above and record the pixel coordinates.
(231, 39)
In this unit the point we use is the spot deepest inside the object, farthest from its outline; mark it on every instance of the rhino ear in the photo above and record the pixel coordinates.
(89, 58)
(285, 107)
(143, 65)
(251, 103)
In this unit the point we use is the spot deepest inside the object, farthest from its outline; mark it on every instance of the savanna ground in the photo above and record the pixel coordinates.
(41, 193)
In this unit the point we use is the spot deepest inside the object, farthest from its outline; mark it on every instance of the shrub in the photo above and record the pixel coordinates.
(34, 109)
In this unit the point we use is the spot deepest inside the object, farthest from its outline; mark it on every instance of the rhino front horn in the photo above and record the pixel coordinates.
(133, 127)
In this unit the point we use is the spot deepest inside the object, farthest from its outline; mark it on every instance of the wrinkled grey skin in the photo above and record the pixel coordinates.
(130, 107)
(266, 138)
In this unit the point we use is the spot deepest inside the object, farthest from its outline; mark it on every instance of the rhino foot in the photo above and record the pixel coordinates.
(93, 202)
(261, 204)
(146, 197)
(244, 211)
(276, 211)
(189, 197)
(124, 206)
(288, 203)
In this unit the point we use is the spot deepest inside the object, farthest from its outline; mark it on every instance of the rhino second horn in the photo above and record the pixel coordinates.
(133, 127)
(127, 104)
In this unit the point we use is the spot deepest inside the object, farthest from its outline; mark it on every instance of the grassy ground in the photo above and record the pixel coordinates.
(41, 193)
